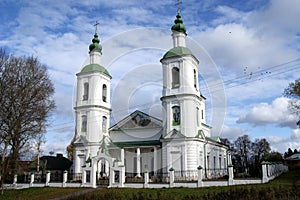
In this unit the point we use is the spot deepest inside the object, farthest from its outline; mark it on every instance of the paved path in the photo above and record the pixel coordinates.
(74, 194)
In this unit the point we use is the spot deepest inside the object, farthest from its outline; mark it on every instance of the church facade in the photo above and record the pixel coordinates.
(181, 141)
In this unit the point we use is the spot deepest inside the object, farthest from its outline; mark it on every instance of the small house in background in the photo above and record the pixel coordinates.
(293, 161)
(56, 165)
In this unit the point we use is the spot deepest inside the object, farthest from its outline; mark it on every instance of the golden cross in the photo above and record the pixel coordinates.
(96, 25)
(178, 4)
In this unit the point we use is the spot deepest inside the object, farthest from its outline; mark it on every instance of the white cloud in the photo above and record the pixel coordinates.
(232, 132)
(275, 113)
(295, 134)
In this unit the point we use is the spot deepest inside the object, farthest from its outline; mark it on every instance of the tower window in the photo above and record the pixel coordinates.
(85, 91)
(176, 115)
(175, 77)
(104, 93)
(104, 124)
(195, 79)
(202, 114)
(83, 123)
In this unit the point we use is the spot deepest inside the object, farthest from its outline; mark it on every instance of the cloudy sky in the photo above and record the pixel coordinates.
(248, 51)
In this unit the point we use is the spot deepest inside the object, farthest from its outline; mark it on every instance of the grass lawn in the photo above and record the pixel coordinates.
(42, 193)
(287, 186)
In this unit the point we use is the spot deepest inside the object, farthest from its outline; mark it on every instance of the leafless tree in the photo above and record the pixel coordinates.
(26, 102)
(242, 151)
(293, 92)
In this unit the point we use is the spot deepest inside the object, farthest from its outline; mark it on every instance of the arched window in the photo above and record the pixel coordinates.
(85, 91)
(104, 124)
(195, 79)
(176, 115)
(175, 77)
(83, 123)
(104, 93)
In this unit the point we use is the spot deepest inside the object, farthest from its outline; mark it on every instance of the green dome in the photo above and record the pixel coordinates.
(177, 51)
(178, 26)
(95, 46)
(94, 68)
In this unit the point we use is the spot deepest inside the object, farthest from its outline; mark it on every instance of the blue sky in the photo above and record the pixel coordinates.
(248, 52)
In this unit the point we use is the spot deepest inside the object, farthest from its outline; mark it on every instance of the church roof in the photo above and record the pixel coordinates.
(94, 68)
(95, 46)
(178, 26)
(177, 51)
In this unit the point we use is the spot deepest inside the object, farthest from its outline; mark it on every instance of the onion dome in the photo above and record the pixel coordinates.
(95, 46)
(178, 26)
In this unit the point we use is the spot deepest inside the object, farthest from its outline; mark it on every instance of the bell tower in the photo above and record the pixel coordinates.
(93, 106)
(181, 98)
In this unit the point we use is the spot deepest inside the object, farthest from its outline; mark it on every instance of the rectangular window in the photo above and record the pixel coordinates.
(85, 91)
(83, 123)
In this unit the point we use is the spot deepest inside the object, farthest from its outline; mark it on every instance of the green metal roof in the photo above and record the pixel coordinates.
(94, 68)
(95, 46)
(179, 26)
(177, 51)
(137, 143)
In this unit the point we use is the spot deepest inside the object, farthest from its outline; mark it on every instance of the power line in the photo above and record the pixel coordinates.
(241, 80)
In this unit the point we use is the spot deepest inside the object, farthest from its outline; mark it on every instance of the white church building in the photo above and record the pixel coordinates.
(181, 141)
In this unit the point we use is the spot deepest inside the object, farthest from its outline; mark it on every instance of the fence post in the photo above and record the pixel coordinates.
(146, 179)
(264, 172)
(47, 178)
(122, 176)
(230, 174)
(200, 177)
(171, 177)
(83, 181)
(31, 179)
(65, 178)
(15, 180)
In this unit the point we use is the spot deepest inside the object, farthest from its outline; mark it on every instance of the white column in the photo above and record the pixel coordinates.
(264, 174)
(230, 171)
(15, 179)
(93, 175)
(31, 179)
(146, 179)
(200, 176)
(172, 179)
(155, 160)
(111, 178)
(122, 157)
(107, 170)
(122, 177)
(47, 179)
(83, 178)
(138, 162)
(65, 178)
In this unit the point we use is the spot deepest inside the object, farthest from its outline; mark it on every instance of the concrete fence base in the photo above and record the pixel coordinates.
(269, 172)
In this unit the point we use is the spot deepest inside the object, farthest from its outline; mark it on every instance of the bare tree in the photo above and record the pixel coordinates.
(26, 101)
(242, 151)
(260, 148)
(293, 92)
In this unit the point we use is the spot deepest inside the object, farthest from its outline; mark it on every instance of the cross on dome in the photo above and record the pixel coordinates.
(96, 26)
(178, 4)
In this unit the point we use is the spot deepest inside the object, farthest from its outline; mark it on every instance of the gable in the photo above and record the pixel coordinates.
(174, 134)
(137, 120)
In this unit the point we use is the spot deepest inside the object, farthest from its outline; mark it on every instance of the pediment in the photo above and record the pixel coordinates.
(137, 120)
(81, 139)
(174, 134)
